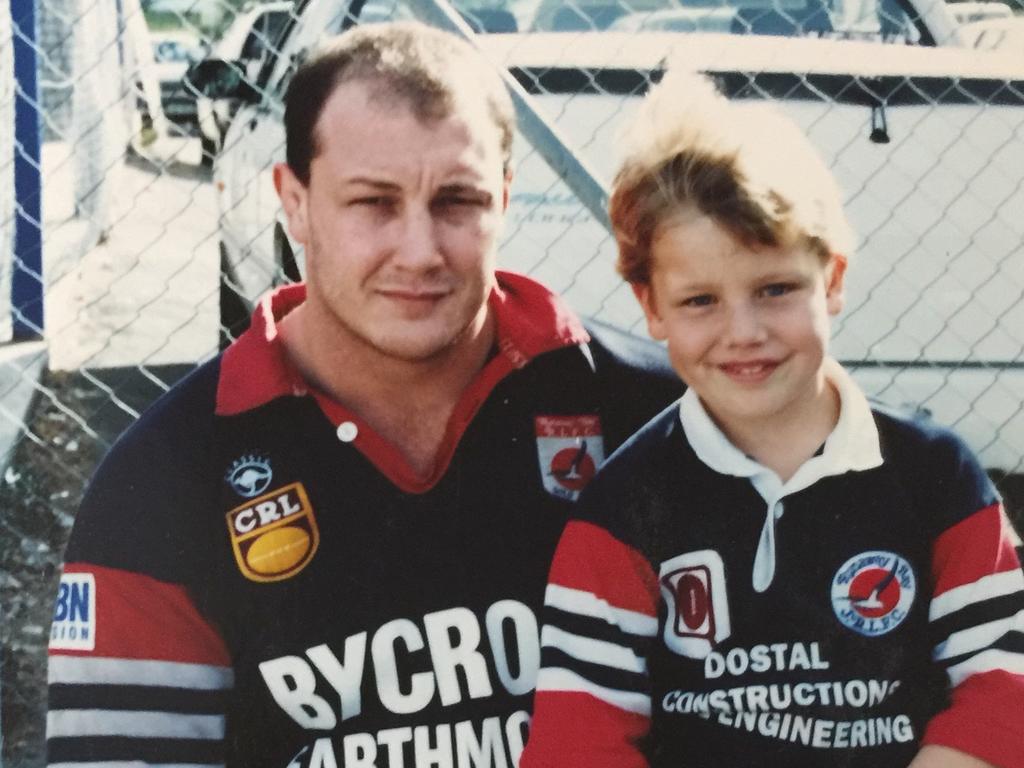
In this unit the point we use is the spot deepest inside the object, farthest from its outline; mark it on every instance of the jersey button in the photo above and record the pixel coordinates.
(347, 431)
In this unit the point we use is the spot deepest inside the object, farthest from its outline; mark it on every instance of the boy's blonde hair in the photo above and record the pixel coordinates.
(746, 166)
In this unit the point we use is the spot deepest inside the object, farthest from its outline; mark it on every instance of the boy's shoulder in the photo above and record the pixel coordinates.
(935, 462)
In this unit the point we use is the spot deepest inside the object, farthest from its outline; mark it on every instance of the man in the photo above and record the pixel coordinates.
(329, 546)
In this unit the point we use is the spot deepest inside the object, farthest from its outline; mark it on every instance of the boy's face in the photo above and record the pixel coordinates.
(747, 330)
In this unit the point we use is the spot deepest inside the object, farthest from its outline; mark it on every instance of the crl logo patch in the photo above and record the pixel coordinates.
(693, 587)
(274, 536)
(570, 449)
(249, 476)
(872, 592)
(74, 617)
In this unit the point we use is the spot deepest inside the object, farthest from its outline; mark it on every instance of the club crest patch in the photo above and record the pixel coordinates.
(693, 587)
(249, 475)
(74, 616)
(872, 592)
(275, 535)
(570, 449)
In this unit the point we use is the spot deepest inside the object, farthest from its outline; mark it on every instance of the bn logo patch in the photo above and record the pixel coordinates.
(570, 449)
(693, 587)
(274, 536)
(74, 616)
(872, 592)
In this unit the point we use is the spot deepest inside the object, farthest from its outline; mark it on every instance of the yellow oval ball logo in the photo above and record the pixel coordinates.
(278, 550)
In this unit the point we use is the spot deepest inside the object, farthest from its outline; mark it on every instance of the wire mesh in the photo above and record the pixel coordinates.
(151, 255)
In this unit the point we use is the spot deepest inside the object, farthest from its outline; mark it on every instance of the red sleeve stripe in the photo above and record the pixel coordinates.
(594, 651)
(985, 588)
(992, 660)
(565, 681)
(575, 729)
(587, 554)
(977, 546)
(139, 617)
(588, 604)
(89, 670)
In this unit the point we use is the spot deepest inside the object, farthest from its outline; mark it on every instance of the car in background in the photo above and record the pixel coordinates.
(999, 34)
(974, 10)
(921, 131)
(248, 41)
(173, 53)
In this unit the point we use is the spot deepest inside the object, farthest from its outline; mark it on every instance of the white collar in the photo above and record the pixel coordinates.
(852, 446)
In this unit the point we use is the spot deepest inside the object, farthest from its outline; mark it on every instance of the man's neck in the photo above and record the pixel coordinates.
(408, 402)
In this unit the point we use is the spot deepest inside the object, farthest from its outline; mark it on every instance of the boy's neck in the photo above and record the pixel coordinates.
(786, 440)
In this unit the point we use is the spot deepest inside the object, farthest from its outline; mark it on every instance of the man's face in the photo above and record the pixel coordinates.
(400, 222)
(747, 329)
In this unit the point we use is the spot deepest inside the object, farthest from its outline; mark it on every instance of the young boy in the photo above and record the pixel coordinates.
(770, 573)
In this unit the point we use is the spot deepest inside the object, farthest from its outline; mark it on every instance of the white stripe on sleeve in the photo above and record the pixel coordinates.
(106, 671)
(987, 661)
(62, 723)
(560, 680)
(588, 604)
(985, 588)
(977, 638)
(595, 651)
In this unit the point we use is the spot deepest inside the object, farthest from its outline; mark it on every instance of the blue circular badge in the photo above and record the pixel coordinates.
(872, 592)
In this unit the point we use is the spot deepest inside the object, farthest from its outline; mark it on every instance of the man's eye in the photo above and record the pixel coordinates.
(457, 201)
(373, 201)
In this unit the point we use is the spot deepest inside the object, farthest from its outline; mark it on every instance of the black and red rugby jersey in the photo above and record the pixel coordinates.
(256, 579)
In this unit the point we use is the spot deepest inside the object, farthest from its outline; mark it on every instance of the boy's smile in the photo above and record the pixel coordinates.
(746, 329)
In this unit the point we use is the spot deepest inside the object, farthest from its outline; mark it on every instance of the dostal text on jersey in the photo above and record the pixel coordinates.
(766, 708)
(451, 649)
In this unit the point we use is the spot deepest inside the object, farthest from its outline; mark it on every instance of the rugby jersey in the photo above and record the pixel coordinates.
(701, 612)
(256, 578)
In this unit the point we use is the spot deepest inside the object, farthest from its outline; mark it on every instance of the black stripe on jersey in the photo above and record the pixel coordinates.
(599, 674)
(596, 629)
(1011, 642)
(138, 697)
(123, 748)
(978, 613)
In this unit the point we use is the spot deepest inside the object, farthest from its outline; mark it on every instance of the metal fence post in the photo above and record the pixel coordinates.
(27, 278)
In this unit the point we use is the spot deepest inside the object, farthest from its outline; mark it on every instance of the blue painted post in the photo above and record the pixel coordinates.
(27, 275)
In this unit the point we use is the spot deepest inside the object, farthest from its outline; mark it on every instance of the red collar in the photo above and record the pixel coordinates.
(530, 321)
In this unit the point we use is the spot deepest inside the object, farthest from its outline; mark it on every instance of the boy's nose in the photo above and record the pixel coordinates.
(744, 325)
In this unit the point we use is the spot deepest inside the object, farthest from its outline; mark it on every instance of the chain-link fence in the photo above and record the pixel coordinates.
(150, 256)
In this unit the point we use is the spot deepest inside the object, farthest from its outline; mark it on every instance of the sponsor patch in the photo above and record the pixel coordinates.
(274, 536)
(693, 586)
(570, 449)
(872, 592)
(74, 616)
(249, 475)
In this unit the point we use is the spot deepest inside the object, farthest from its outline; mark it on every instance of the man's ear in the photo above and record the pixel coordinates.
(835, 274)
(644, 293)
(294, 196)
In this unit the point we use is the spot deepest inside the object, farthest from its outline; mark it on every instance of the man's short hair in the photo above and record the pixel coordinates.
(749, 168)
(430, 71)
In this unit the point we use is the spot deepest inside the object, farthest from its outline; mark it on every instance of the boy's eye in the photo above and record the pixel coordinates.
(374, 201)
(778, 289)
(701, 300)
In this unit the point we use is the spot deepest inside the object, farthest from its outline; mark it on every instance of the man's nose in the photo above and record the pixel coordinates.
(417, 246)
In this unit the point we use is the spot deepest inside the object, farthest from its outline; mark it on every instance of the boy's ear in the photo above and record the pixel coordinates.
(644, 293)
(294, 198)
(835, 274)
